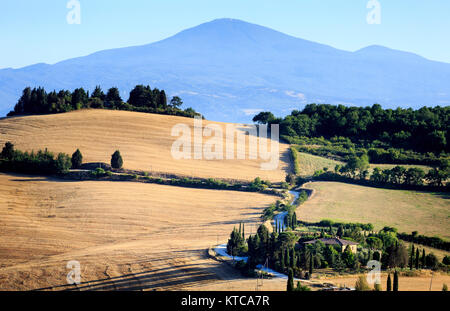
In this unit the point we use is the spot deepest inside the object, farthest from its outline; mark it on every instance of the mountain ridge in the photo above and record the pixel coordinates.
(226, 67)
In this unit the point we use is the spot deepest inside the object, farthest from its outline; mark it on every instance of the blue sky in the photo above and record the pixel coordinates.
(37, 31)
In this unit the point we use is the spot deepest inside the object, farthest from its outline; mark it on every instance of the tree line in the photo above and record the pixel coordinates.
(142, 99)
(40, 162)
(423, 130)
(357, 170)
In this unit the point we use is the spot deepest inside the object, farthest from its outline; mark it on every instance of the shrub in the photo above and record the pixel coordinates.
(8, 151)
(116, 160)
(77, 159)
(446, 260)
(302, 288)
(63, 163)
(98, 172)
(42, 162)
(431, 261)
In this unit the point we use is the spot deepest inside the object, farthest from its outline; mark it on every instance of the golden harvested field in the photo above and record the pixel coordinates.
(421, 282)
(427, 213)
(311, 163)
(411, 283)
(125, 235)
(143, 139)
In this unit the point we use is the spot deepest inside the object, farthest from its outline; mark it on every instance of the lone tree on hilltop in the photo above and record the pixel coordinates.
(77, 159)
(116, 160)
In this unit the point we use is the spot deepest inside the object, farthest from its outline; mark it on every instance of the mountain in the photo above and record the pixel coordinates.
(229, 69)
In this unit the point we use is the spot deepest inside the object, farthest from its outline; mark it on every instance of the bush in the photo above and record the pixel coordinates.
(42, 162)
(446, 260)
(431, 261)
(63, 163)
(302, 288)
(8, 151)
(116, 160)
(77, 159)
(98, 173)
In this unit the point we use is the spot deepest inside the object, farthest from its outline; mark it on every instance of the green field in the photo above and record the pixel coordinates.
(310, 163)
(427, 213)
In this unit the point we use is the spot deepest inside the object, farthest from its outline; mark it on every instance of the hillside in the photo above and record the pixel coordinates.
(309, 164)
(125, 235)
(144, 141)
(228, 69)
(427, 213)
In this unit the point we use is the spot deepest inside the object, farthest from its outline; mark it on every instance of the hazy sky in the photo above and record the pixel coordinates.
(38, 31)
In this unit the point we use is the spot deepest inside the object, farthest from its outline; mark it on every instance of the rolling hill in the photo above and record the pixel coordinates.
(229, 69)
(143, 139)
(125, 235)
(425, 212)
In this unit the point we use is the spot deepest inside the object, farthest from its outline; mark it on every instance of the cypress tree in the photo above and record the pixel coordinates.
(243, 231)
(77, 159)
(282, 261)
(288, 259)
(290, 283)
(389, 283)
(116, 160)
(311, 265)
(411, 259)
(423, 259)
(293, 258)
(395, 285)
(340, 232)
(417, 258)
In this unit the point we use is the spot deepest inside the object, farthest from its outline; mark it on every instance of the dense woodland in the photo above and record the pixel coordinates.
(142, 99)
(422, 131)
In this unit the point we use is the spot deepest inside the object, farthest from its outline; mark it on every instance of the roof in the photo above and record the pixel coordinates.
(333, 241)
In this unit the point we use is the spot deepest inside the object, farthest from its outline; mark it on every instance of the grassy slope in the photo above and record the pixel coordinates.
(144, 140)
(148, 236)
(427, 213)
(310, 163)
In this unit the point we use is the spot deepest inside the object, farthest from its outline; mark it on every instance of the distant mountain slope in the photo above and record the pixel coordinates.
(228, 69)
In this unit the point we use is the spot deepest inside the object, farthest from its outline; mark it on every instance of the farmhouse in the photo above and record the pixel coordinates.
(336, 241)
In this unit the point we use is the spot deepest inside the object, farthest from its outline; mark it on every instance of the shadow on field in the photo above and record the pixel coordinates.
(442, 195)
(172, 277)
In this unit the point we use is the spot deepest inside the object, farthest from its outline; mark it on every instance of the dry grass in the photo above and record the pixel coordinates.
(125, 235)
(413, 283)
(144, 140)
(427, 213)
